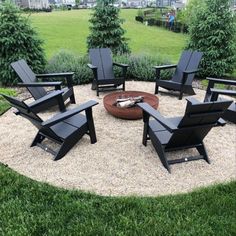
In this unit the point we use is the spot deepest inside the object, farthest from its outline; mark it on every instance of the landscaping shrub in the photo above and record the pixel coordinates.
(140, 66)
(17, 40)
(212, 31)
(65, 61)
(105, 28)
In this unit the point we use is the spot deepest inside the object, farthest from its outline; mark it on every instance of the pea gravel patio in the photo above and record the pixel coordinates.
(118, 164)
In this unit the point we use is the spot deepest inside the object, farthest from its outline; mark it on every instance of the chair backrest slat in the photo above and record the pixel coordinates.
(27, 76)
(198, 120)
(193, 65)
(102, 58)
(182, 65)
(189, 60)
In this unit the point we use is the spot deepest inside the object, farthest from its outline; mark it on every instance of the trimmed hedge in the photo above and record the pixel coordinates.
(140, 66)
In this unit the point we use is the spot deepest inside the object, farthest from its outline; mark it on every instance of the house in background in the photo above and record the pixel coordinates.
(32, 4)
(63, 2)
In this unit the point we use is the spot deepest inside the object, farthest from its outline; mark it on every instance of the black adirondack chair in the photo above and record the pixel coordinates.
(37, 90)
(184, 74)
(212, 94)
(65, 128)
(102, 67)
(170, 134)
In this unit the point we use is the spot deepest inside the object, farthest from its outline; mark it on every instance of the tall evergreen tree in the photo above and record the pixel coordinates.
(212, 31)
(106, 30)
(17, 40)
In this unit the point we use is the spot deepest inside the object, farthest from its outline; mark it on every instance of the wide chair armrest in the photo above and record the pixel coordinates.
(53, 75)
(223, 92)
(193, 100)
(92, 67)
(53, 95)
(157, 116)
(164, 67)
(120, 65)
(221, 81)
(188, 72)
(65, 115)
(57, 85)
(67, 75)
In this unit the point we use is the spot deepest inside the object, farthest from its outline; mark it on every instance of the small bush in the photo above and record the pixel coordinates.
(140, 66)
(18, 40)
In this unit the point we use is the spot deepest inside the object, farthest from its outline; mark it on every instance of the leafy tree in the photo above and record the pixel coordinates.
(213, 31)
(106, 30)
(17, 40)
(185, 15)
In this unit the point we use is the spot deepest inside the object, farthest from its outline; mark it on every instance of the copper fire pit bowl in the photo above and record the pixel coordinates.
(131, 113)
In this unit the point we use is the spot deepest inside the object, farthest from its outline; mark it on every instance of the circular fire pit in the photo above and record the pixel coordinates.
(131, 113)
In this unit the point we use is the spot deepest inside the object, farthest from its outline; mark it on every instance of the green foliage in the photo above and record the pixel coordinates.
(65, 61)
(4, 104)
(17, 40)
(106, 30)
(32, 208)
(185, 15)
(140, 13)
(140, 67)
(213, 31)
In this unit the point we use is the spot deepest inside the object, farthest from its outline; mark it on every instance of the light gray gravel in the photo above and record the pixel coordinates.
(118, 164)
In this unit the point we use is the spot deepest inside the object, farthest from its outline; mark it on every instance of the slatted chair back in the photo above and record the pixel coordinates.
(198, 120)
(182, 64)
(189, 61)
(26, 112)
(27, 76)
(102, 59)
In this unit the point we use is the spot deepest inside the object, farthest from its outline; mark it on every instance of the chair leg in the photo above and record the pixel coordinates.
(156, 89)
(124, 86)
(91, 127)
(38, 139)
(72, 97)
(94, 85)
(180, 95)
(202, 151)
(160, 152)
(145, 134)
(97, 91)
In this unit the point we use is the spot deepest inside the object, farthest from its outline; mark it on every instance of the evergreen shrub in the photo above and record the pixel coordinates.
(212, 30)
(18, 40)
(105, 28)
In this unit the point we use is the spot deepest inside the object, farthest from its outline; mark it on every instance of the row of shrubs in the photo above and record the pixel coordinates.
(177, 27)
(140, 66)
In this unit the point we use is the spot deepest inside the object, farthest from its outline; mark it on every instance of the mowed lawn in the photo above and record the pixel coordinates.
(69, 30)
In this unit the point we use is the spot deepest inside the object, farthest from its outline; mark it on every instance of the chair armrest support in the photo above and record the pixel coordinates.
(124, 68)
(65, 115)
(57, 85)
(164, 67)
(94, 69)
(157, 116)
(186, 73)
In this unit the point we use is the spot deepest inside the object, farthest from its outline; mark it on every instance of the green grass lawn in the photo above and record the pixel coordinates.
(69, 30)
(32, 208)
(3, 104)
